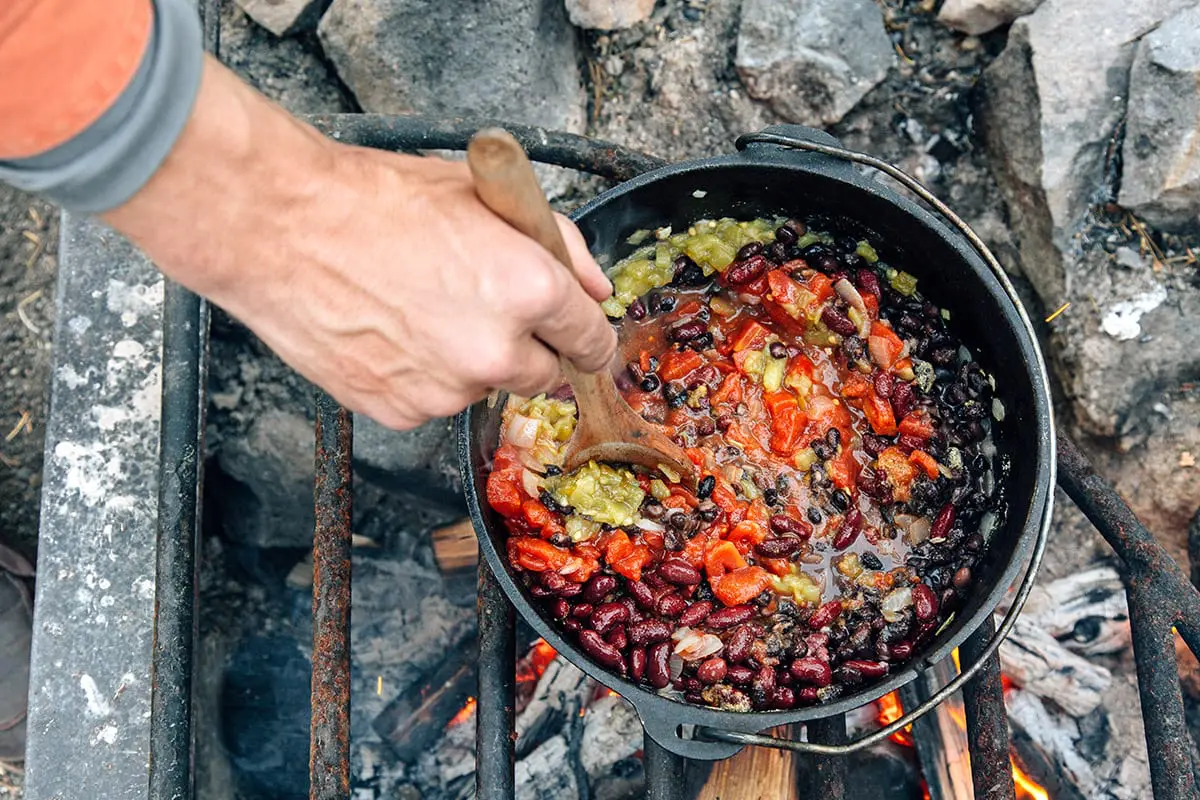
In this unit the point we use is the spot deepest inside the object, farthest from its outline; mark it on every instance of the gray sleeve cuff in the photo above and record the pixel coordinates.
(106, 164)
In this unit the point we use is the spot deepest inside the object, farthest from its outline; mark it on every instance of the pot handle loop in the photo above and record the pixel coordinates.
(828, 146)
(766, 146)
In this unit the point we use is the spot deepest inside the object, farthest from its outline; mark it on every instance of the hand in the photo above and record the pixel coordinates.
(380, 277)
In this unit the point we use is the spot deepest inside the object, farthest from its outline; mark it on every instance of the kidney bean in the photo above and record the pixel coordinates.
(637, 663)
(695, 614)
(601, 651)
(728, 617)
(559, 609)
(537, 590)
(607, 615)
(883, 384)
(825, 615)
(962, 578)
(671, 605)
(693, 697)
(903, 399)
(868, 669)
(618, 638)
(712, 671)
(783, 698)
(901, 651)
(658, 665)
(847, 676)
(910, 442)
(582, 611)
(739, 675)
(599, 587)
(571, 590)
(942, 522)
(573, 625)
(746, 270)
(649, 631)
(749, 250)
(779, 546)
(811, 671)
(553, 581)
(686, 331)
(867, 281)
(764, 680)
(848, 532)
(737, 648)
(679, 572)
(836, 321)
(642, 594)
(925, 602)
(782, 523)
(807, 695)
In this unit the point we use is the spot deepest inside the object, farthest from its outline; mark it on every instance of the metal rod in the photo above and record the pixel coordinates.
(495, 710)
(987, 721)
(664, 771)
(185, 333)
(329, 742)
(827, 774)
(388, 132)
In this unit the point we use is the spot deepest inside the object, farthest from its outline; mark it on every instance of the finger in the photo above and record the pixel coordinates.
(570, 322)
(587, 271)
(535, 369)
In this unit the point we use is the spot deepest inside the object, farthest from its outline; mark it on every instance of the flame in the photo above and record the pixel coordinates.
(534, 664)
(1027, 787)
(464, 713)
(890, 710)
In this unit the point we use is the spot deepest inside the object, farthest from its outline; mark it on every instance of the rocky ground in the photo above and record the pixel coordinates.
(1066, 138)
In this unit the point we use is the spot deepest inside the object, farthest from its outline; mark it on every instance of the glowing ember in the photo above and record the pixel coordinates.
(890, 710)
(534, 664)
(464, 713)
(1027, 788)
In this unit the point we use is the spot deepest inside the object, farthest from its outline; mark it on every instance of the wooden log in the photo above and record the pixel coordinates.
(1087, 611)
(755, 773)
(415, 720)
(455, 547)
(1038, 663)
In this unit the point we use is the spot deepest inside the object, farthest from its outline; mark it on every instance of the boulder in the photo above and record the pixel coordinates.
(1161, 179)
(608, 15)
(1052, 103)
(980, 16)
(812, 60)
(264, 488)
(284, 17)
(514, 60)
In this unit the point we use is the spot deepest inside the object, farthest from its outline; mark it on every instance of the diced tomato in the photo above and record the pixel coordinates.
(843, 469)
(536, 555)
(580, 568)
(506, 459)
(902, 364)
(917, 424)
(689, 309)
(503, 494)
(776, 566)
(730, 391)
(826, 413)
(821, 286)
(536, 514)
(741, 585)
(855, 386)
(880, 414)
(721, 558)
(786, 427)
(901, 472)
(644, 360)
(693, 551)
(675, 365)
(925, 462)
(872, 304)
(784, 291)
(724, 497)
(679, 502)
(631, 565)
(747, 532)
(884, 345)
(750, 336)
(779, 401)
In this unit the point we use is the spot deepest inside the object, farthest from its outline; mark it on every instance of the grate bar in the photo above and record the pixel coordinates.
(664, 771)
(495, 711)
(987, 721)
(329, 743)
(827, 774)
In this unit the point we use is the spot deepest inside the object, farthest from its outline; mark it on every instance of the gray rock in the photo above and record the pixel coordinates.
(420, 462)
(812, 60)
(1053, 100)
(283, 17)
(608, 15)
(264, 489)
(514, 60)
(1161, 179)
(980, 16)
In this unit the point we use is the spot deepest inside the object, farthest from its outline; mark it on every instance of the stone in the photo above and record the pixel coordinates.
(812, 60)
(422, 462)
(1161, 178)
(608, 15)
(980, 16)
(512, 60)
(285, 17)
(263, 490)
(1052, 103)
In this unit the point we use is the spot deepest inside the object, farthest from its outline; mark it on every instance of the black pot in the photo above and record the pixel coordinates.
(768, 180)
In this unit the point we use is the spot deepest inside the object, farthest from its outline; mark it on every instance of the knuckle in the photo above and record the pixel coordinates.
(494, 363)
(538, 292)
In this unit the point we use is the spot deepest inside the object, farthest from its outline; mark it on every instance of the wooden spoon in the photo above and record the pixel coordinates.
(608, 429)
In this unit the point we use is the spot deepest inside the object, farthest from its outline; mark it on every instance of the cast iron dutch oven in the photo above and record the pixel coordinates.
(770, 179)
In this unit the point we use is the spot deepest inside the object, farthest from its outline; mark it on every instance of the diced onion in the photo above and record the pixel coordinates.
(696, 645)
(675, 666)
(847, 292)
(522, 431)
(530, 461)
(530, 483)
(895, 602)
(918, 531)
(997, 409)
(680, 633)
(649, 525)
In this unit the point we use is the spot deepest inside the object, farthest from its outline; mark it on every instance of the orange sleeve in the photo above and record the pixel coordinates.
(63, 63)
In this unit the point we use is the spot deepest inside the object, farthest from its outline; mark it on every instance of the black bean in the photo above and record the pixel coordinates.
(814, 515)
(778, 252)
(785, 234)
(822, 450)
(688, 273)
(840, 501)
(770, 496)
(962, 578)
(705, 489)
(855, 348)
(650, 383)
(553, 469)
(870, 560)
(676, 394)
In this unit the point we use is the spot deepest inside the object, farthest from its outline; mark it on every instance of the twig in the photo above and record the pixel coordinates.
(36, 216)
(9, 461)
(1060, 310)
(25, 317)
(20, 426)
